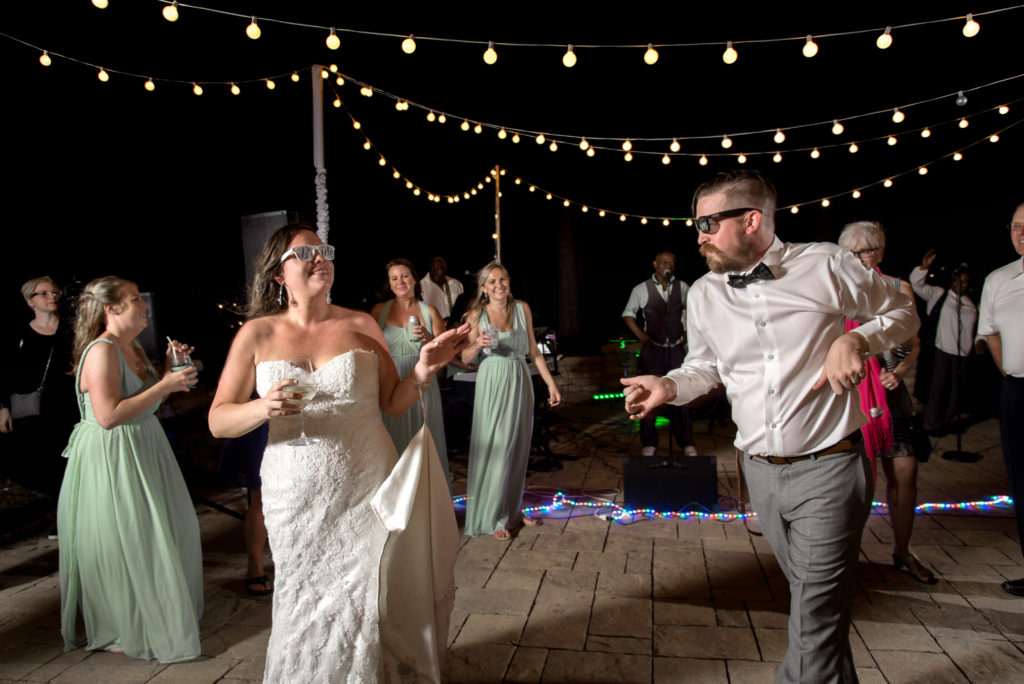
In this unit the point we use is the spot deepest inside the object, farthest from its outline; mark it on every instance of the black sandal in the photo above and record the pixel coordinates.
(251, 584)
(913, 566)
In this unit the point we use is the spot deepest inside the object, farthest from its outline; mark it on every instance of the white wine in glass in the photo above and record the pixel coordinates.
(301, 370)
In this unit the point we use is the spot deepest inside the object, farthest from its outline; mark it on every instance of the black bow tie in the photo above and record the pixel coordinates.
(762, 272)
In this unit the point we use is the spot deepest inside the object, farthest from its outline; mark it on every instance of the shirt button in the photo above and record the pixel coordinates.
(763, 323)
(771, 357)
(756, 296)
(771, 391)
(773, 426)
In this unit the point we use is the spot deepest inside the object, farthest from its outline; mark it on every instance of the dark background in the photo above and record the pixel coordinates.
(108, 178)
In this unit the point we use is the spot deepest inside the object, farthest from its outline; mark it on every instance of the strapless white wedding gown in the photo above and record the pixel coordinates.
(331, 549)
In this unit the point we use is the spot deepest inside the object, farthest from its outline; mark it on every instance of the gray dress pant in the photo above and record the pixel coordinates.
(813, 513)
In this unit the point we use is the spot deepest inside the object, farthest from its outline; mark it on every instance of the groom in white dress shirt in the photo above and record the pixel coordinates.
(768, 324)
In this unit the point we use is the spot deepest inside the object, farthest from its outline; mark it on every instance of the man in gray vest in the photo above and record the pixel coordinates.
(662, 298)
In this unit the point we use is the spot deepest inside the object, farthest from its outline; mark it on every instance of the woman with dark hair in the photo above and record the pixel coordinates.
(887, 403)
(405, 338)
(499, 446)
(37, 407)
(129, 539)
(333, 613)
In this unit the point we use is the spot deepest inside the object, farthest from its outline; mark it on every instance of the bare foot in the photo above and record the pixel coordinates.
(502, 534)
(532, 522)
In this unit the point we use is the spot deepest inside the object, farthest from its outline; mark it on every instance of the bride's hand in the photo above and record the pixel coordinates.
(276, 403)
(438, 353)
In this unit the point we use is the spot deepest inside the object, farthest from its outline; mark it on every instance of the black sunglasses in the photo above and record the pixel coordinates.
(709, 224)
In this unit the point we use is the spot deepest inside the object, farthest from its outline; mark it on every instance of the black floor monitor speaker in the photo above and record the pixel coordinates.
(671, 483)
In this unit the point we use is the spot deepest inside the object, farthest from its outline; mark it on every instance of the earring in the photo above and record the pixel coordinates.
(280, 295)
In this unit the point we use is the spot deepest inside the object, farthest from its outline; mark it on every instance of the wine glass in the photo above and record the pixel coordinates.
(302, 371)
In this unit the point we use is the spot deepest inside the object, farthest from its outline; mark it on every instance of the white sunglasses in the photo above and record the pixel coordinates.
(306, 252)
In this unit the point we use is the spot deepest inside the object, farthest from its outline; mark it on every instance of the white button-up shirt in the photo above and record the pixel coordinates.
(946, 332)
(767, 344)
(1002, 313)
(435, 296)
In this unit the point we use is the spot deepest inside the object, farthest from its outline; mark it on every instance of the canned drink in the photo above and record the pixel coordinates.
(413, 322)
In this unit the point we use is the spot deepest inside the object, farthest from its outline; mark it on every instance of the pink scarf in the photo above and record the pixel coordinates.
(877, 431)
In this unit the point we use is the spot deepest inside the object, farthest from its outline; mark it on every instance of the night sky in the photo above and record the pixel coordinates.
(105, 178)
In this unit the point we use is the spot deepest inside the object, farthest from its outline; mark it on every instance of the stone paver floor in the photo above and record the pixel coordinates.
(584, 599)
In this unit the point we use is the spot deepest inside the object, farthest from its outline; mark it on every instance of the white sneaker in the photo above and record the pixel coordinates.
(647, 451)
(689, 451)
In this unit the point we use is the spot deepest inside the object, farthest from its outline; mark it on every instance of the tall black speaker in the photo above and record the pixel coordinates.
(671, 483)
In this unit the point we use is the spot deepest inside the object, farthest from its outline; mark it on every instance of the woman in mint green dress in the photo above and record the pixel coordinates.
(499, 446)
(130, 556)
(404, 343)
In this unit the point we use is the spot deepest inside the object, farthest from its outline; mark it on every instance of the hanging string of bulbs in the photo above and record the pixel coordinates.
(650, 51)
(825, 201)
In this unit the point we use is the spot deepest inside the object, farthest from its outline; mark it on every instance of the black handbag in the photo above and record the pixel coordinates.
(30, 403)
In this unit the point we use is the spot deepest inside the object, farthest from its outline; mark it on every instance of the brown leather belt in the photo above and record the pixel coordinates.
(846, 444)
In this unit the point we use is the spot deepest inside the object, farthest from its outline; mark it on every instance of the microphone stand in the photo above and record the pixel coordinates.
(958, 455)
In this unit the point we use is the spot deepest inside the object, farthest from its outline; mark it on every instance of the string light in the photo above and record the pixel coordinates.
(409, 45)
(957, 156)
(170, 12)
(994, 137)
(961, 99)
(565, 203)
(855, 194)
(490, 55)
(253, 30)
(794, 209)
(703, 161)
(356, 125)
(885, 40)
(584, 145)
(367, 146)
(431, 117)
(627, 145)
(553, 146)
(295, 77)
(825, 202)
(726, 142)
(540, 138)
(622, 217)
(337, 103)
(853, 148)
(888, 182)
(730, 55)
(601, 213)
(666, 160)
(103, 75)
(777, 157)
(464, 125)
(149, 85)
(590, 152)
(963, 123)
(270, 84)
(502, 134)
(441, 118)
(100, 4)
(923, 171)
(235, 90)
(1004, 110)
(779, 137)
(810, 48)
(333, 42)
(628, 156)
(742, 159)
(675, 145)
(971, 27)
(926, 133)
(515, 138)
(837, 128)
(651, 55)
(569, 58)
(44, 59)
(815, 153)
(333, 68)
(340, 81)
(891, 140)
(197, 89)
(478, 129)
(643, 221)
(897, 115)
(324, 74)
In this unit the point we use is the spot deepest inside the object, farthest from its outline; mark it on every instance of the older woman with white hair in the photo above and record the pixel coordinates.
(887, 403)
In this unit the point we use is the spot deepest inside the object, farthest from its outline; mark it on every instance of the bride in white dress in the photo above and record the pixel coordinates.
(326, 539)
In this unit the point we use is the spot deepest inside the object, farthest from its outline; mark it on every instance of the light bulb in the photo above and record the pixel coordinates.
(584, 208)
(478, 129)
(366, 91)
(569, 58)
(45, 60)
(855, 194)
(794, 210)
(197, 89)
(961, 99)
(923, 171)
(897, 115)
(993, 138)
(689, 222)
(253, 29)
(726, 142)
(409, 45)
(584, 145)
(651, 55)
(703, 161)
(235, 90)
(665, 222)
(888, 182)
(622, 217)
(502, 134)
(1004, 110)
(627, 145)
(382, 162)
(853, 148)
(398, 105)
(170, 12)
(891, 140)
(149, 85)
(337, 103)
(884, 40)
(464, 125)
(295, 77)
(540, 139)
(340, 81)
(810, 48)
(547, 196)
(590, 152)
(565, 203)
(333, 68)
(533, 188)
(666, 160)
(103, 75)
(515, 137)
(963, 123)
(324, 74)
(553, 146)
(628, 156)
(441, 118)
(815, 153)
(971, 27)
(356, 125)
(925, 133)
(367, 146)
(416, 191)
(270, 84)
(777, 158)
(602, 213)
(333, 42)
(431, 117)
(730, 55)
(643, 220)
(957, 156)
(837, 128)
(490, 56)
(101, 4)
(674, 146)
(825, 202)
(780, 137)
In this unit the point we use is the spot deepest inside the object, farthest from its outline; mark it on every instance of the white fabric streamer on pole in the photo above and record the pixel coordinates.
(323, 224)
